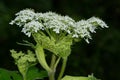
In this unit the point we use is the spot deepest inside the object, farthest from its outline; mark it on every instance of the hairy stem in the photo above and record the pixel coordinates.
(62, 69)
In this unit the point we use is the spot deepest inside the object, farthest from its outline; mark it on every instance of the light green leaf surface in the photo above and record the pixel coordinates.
(90, 77)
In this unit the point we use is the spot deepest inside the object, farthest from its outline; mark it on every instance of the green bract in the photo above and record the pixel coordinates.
(61, 47)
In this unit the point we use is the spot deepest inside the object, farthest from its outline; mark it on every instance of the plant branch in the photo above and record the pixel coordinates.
(62, 69)
(41, 57)
(53, 61)
(58, 60)
(52, 74)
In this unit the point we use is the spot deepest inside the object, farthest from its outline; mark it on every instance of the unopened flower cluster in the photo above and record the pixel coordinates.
(22, 58)
(32, 22)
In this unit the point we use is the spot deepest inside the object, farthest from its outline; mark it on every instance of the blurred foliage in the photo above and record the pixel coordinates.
(9, 75)
(32, 74)
(101, 56)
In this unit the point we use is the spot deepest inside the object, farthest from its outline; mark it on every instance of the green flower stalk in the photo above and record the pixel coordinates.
(56, 34)
(41, 57)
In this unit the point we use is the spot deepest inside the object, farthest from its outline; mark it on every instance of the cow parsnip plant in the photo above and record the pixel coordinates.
(56, 34)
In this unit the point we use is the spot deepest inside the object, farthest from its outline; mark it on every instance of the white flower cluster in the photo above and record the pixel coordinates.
(32, 26)
(56, 22)
(83, 28)
(34, 22)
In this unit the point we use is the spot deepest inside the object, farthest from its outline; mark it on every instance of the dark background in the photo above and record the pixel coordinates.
(101, 56)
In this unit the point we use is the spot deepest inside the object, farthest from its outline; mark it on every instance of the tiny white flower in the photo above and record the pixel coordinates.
(12, 22)
(75, 36)
(87, 41)
(28, 34)
(56, 30)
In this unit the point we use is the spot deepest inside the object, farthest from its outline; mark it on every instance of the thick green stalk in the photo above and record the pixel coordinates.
(52, 75)
(23, 70)
(24, 77)
(53, 61)
(41, 58)
(62, 69)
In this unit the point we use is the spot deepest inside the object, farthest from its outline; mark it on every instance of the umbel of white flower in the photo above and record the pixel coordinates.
(54, 33)
(49, 22)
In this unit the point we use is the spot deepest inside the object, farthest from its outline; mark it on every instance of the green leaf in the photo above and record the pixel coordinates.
(9, 75)
(74, 78)
(34, 73)
(90, 77)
